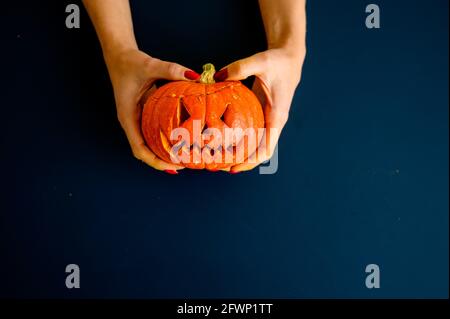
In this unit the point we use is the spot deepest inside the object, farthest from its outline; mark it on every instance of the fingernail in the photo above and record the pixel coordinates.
(171, 172)
(191, 75)
(234, 172)
(221, 75)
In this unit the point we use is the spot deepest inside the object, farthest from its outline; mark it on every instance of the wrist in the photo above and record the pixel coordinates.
(114, 53)
(288, 37)
(114, 50)
(291, 48)
(117, 59)
(294, 55)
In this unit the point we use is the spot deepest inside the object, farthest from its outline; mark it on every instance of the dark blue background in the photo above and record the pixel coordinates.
(363, 174)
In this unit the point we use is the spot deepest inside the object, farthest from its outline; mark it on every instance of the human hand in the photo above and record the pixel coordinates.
(278, 73)
(133, 74)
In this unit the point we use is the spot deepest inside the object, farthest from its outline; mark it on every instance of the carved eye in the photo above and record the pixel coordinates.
(222, 117)
(182, 113)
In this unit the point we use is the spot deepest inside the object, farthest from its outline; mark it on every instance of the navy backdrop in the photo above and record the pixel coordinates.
(363, 175)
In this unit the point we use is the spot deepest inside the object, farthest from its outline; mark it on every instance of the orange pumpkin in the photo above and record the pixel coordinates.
(206, 111)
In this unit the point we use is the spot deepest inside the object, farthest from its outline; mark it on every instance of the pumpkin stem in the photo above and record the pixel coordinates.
(207, 76)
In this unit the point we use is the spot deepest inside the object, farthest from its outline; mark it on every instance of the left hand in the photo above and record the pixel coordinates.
(278, 73)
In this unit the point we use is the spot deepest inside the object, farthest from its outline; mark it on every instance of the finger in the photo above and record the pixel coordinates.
(262, 92)
(140, 150)
(170, 71)
(264, 152)
(242, 69)
(144, 154)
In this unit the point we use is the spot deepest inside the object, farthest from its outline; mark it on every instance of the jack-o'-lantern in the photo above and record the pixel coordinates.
(203, 125)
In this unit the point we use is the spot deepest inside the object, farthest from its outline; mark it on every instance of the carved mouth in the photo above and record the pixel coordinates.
(190, 147)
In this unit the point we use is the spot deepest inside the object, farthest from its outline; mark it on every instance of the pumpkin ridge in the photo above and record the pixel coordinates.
(153, 98)
(234, 84)
(230, 85)
(206, 107)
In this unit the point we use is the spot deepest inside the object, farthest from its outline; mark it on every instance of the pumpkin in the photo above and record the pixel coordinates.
(206, 112)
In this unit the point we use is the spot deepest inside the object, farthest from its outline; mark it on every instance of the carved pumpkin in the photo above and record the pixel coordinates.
(203, 108)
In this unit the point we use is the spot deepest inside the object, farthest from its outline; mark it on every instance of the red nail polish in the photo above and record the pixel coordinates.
(221, 75)
(171, 172)
(191, 75)
(234, 172)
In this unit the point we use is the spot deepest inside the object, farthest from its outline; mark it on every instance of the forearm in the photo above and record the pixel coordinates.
(113, 24)
(285, 24)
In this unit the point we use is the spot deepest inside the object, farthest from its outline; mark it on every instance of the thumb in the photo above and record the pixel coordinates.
(242, 69)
